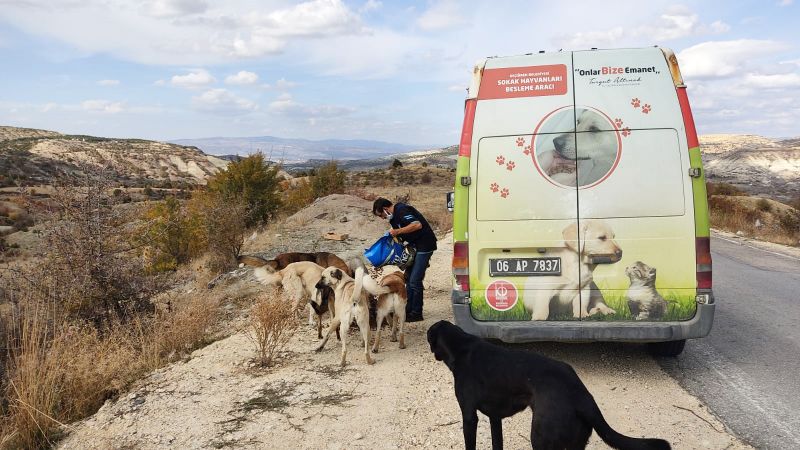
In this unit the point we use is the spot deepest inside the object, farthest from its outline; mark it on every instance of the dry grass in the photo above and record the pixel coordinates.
(759, 218)
(272, 325)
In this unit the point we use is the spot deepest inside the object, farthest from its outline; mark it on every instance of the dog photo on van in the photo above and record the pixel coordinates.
(583, 154)
(594, 244)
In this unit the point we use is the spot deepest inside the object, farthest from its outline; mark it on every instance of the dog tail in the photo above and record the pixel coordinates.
(591, 413)
(373, 287)
(253, 261)
(359, 285)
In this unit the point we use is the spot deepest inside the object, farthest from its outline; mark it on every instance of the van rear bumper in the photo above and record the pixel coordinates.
(578, 331)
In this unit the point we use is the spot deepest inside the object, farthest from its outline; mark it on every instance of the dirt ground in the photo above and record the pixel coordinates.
(219, 399)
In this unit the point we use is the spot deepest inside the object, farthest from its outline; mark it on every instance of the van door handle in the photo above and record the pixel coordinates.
(694, 172)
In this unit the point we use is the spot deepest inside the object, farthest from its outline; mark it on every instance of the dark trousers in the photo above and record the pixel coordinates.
(414, 277)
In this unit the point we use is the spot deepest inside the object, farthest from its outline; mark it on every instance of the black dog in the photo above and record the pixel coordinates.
(500, 383)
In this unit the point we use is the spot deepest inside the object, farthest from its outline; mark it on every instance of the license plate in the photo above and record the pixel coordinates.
(525, 267)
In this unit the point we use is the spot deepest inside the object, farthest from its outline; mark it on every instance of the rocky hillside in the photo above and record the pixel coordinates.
(35, 156)
(759, 165)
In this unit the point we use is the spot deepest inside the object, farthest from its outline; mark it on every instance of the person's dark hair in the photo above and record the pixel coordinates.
(379, 204)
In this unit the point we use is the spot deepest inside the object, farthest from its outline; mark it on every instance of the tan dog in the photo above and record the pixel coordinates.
(574, 285)
(392, 298)
(351, 304)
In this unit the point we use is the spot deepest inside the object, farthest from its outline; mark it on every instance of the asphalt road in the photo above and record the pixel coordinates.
(748, 369)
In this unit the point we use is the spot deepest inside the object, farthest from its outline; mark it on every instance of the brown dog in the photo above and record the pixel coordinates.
(323, 259)
(392, 298)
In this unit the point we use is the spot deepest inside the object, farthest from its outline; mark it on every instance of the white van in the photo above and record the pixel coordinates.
(580, 209)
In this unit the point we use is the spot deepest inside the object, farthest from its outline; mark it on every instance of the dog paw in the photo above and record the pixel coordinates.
(374, 350)
(504, 193)
(500, 160)
(510, 166)
(393, 339)
(402, 346)
(646, 108)
(370, 361)
(635, 102)
(520, 142)
(494, 187)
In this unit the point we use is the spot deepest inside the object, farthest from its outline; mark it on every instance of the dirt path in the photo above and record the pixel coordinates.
(405, 400)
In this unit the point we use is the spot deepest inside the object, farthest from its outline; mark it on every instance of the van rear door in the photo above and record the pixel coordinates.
(522, 197)
(634, 190)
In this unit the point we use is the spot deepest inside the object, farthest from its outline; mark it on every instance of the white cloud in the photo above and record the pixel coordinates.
(370, 5)
(173, 8)
(102, 106)
(772, 81)
(723, 58)
(284, 84)
(674, 23)
(108, 83)
(197, 78)
(285, 105)
(223, 102)
(443, 14)
(242, 78)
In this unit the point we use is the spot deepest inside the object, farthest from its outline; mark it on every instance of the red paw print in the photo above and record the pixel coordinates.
(520, 142)
(646, 108)
(494, 187)
(626, 131)
(618, 123)
(635, 102)
(504, 193)
(500, 160)
(527, 150)
(510, 165)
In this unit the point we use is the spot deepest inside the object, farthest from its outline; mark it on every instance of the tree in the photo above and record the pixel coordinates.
(254, 181)
(328, 180)
(396, 163)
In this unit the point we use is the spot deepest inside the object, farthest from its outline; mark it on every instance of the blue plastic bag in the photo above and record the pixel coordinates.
(387, 250)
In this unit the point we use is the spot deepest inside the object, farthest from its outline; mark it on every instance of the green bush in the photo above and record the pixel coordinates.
(254, 181)
(328, 180)
(173, 233)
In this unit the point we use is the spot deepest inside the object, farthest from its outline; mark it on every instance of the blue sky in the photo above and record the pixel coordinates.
(385, 70)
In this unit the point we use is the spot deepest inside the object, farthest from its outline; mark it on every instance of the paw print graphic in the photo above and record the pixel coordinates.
(618, 123)
(504, 193)
(510, 166)
(646, 108)
(500, 160)
(520, 142)
(626, 131)
(527, 150)
(636, 102)
(494, 187)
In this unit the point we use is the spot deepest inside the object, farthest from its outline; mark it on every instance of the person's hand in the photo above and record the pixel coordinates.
(393, 231)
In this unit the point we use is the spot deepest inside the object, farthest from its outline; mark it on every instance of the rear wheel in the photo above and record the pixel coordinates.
(669, 348)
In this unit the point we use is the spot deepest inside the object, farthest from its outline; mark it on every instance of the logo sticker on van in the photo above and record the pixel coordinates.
(532, 81)
(501, 295)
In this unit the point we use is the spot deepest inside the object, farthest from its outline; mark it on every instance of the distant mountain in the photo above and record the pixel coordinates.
(31, 156)
(759, 165)
(296, 150)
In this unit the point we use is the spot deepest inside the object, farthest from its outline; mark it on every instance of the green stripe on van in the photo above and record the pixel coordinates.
(461, 207)
(701, 219)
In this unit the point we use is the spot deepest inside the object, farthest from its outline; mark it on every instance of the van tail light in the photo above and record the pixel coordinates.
(461, 265)
(702, 247)
(465, 146)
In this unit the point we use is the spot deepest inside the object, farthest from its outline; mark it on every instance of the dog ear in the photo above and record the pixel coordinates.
(570, 235)
(337, 273)
(439, 344)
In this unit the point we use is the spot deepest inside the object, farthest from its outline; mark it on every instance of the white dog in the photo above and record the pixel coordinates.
(351, 304)
(392, 298)
(298, 280)
(574, 285)
(590, 152)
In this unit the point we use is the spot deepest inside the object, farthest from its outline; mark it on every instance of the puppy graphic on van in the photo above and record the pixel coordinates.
(574, 286)
(584, 157)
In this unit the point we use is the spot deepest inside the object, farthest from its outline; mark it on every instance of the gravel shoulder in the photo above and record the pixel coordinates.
(216, 399)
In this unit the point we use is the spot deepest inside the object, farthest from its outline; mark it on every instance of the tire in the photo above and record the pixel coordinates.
(668, 348)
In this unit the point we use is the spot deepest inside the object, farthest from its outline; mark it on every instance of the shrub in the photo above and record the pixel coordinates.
(426, 178)
(723, 189)
(299, 196)
(272, 325)
(328, 180)
(763, 205)
(224, 227)
(255, 182)
(174, 235)
(396, 163)
(424, 164)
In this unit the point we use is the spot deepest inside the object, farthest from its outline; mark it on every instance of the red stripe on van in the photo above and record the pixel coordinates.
(465, 146)
(688, 120)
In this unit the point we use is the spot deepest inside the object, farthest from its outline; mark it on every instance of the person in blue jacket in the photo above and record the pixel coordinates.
(410, 225)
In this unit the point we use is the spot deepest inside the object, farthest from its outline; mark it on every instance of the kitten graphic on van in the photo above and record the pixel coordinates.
(566, 176)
